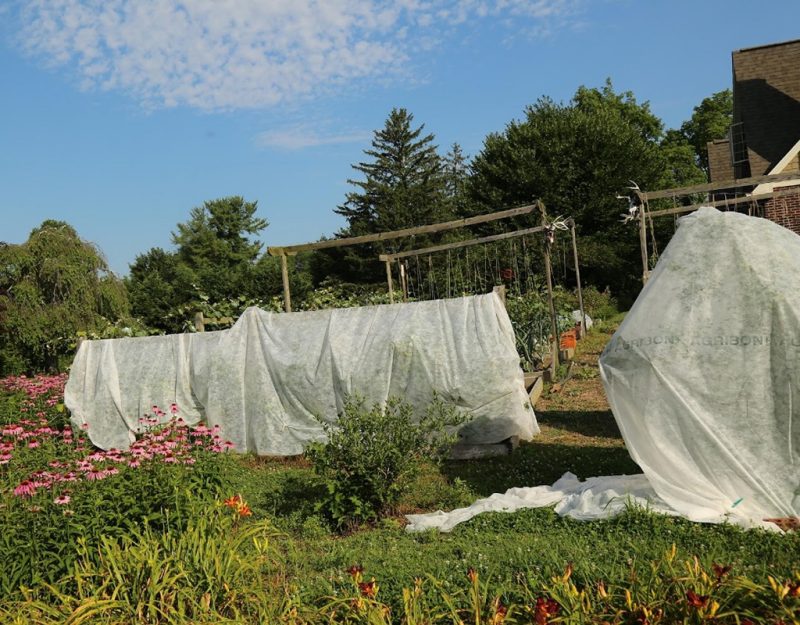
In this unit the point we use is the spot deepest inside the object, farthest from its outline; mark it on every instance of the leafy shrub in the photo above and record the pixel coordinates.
(372, 453)
(599, 304)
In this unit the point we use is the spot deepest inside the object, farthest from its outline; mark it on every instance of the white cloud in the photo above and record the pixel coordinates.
(299, 137)
(231, 54)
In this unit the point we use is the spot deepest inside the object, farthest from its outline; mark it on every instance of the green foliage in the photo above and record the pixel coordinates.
(335, 294)
(531, 318)
(51, 287)
(211, 571)
(158, 285)
(576, 158)
(599, 304)
(372, 453)
(214, 257)
(210, 567)
(711, 119)
(215, 247)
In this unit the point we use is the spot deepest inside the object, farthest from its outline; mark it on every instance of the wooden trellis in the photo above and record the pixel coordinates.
(547, 228)
(645, 215)
(291, 250)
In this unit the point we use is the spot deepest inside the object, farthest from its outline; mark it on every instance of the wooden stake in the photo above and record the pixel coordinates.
(287, 296)
(553, 318)
(643, 244)
(389, 281)
(199, 323)
(578, 276)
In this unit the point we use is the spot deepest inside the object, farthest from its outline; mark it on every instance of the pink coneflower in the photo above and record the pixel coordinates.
(94, 474)
(62, 500)
(84, 426)
(27, 488)
(173, 408)
(5, 458)
(33, 444)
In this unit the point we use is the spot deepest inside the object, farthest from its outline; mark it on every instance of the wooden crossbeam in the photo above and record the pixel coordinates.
(458, 244)
(405, 232)
(745, 199)
(716, 186)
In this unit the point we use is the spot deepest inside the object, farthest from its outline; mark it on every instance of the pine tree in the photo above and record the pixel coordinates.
(456, 174)
(403, 186)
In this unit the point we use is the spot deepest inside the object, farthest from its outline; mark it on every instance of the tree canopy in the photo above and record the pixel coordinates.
(215, 259)
(576, 157)
(710, 120)
(53, 286)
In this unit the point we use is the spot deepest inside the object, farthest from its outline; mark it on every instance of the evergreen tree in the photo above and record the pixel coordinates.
(403, 186)
(456, 175)
(214, 260)
(214, 245)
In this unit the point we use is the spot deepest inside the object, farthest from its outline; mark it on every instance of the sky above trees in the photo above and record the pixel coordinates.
(120, 117)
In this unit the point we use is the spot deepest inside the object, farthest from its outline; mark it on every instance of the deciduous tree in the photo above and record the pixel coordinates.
(53, 286)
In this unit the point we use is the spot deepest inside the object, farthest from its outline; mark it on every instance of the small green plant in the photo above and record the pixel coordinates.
(373, 453)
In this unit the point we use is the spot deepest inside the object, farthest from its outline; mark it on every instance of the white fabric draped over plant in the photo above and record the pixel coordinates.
(703, 375)
(268, 379)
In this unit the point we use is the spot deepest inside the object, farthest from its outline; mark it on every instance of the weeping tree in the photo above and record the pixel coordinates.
(52, 287)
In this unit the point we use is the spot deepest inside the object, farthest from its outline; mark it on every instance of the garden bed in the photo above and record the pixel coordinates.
(213, 536)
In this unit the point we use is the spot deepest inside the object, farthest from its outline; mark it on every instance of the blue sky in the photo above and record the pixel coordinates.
(119, 116)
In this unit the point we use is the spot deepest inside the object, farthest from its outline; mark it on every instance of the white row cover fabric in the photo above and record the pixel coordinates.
(266, 379)
(703, 375)
(596, 498)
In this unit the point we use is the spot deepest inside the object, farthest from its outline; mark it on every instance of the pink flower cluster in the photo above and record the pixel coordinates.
(170, 443)
(37, 386)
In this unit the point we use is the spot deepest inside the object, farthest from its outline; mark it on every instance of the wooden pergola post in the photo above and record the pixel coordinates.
(287, 295)
(389, 281)
(578, 276)
(548, 273)
(643, 244)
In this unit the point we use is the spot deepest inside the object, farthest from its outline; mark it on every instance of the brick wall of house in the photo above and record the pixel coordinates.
(766, 100)
(785, 208)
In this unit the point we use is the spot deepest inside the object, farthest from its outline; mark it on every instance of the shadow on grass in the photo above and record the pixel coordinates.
(596, 423)
(537, 463)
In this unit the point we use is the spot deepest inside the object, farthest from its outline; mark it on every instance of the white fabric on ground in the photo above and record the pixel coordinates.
(264, 380)
(595, 498)
(703, 375)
